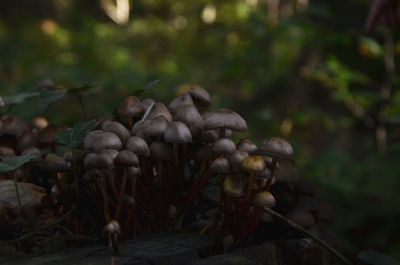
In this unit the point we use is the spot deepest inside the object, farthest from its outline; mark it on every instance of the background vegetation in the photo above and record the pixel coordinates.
(304, 70)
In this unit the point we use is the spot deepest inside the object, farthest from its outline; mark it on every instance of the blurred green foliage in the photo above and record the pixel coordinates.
(303, 70)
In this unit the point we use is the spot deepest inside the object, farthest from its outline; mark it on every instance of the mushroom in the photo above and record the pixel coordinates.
(190, 116)
(112, 230)
(117, 128)
(184, 99)
(156, 127)
(223, 146)
(138, 146)
(232, 187)
(236, 158)
(200, 96)
(97, 140)
(264, 199)
(159, 109)
(147, 102)
(131, 108)
(246, 145)
(223, 119)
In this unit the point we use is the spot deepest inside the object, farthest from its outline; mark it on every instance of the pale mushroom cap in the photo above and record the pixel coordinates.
(139, 126)
(40, 123)
(131, 107)
(232, 187)
(112, 228)
(220, 165)
(246, 145)
(98, 161)
(111, 152)
(264, 199)
(224, 118)
(253, 164)
(181, 100)
(189, 115)
(177, 132)
(200, 96)
(223, 146)
(117, 128)
(276, 147)
(160, 150)
(126, 158)
(159, 109)
(236, 158)
(209, 136)
(97, 140)
(138, 146)
(156, 127)
(147, 102)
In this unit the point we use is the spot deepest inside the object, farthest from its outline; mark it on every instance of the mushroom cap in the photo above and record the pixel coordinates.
(138, 146)
(156, 127)
(276, 147)
(133, 172)
(160, 150)
(111, 152)
(246, 145)
(98, 161)
(126, 158)
(131, 107)
(220, 165)
(224, 118)
(48, 134)
(209, 136)
(159, 109)
(31, 150)
(7, 151)
(200, 96)
(177, 132)
(53, 162)
(40, 123)
(13, 126)
(190, 116)
(253, 164)
(117, 128)
(232, 187)
(181, 100)
(112, 228)
(266, 173)
(236, 158)
(97, 140)
(139, 126)
(27, 140)
(264, 199)
(223, 146)
(147, 102)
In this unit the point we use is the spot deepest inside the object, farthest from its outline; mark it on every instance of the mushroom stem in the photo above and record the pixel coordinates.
(105, 198)
(273, 168)
(121, 195)
(17, 188)
(220, 205)
(222, 132)
(58, 185)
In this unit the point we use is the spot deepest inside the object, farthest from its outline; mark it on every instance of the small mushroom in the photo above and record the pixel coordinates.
(246, 145)
(200, 96)
(264, 199)
(138, 146)
(117, 128)
(97, 140)
(177, 132)
(223, 146)
(223, 119)
(184, 99)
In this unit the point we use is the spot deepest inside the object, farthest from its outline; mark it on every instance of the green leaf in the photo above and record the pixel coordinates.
(19, 98)
(81, 89)
(71, 138)
(149, 85)
(46, 97)
(12, 163)
(375, 258)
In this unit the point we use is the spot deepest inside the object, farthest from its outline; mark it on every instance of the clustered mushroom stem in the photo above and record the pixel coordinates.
(58, 185)
(17, 188)
(222, 132)
(105, 198)
(121, 196)
(220, 205)
(75, 172)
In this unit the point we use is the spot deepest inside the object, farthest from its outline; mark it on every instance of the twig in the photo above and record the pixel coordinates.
(44, 227)
(307, 233)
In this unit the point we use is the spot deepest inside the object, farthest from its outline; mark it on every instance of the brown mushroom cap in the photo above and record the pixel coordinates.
(181, 100)
(200, 96)
(131, 107)
(264, 199)
(232, 187)
(253, 164)
(117, 128)
(98, 161)
(189, 115)
(246, 145)
(223, 146)
(126, 158)
(236, 158)
(224, 118)
(7, 151)
(156, 127)
(97, 140)
(47, 135)
(220, 165)
(53, 162)
(177, 132)
(276, 147)
(40, 123)
(159, 109)
(13, 126)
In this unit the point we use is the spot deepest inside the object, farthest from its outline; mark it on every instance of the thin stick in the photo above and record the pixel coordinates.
(307, 233)
(44, 227)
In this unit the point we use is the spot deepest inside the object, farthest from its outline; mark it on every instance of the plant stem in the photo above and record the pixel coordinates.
(307, 233)
(82, 106)
(16, 188)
